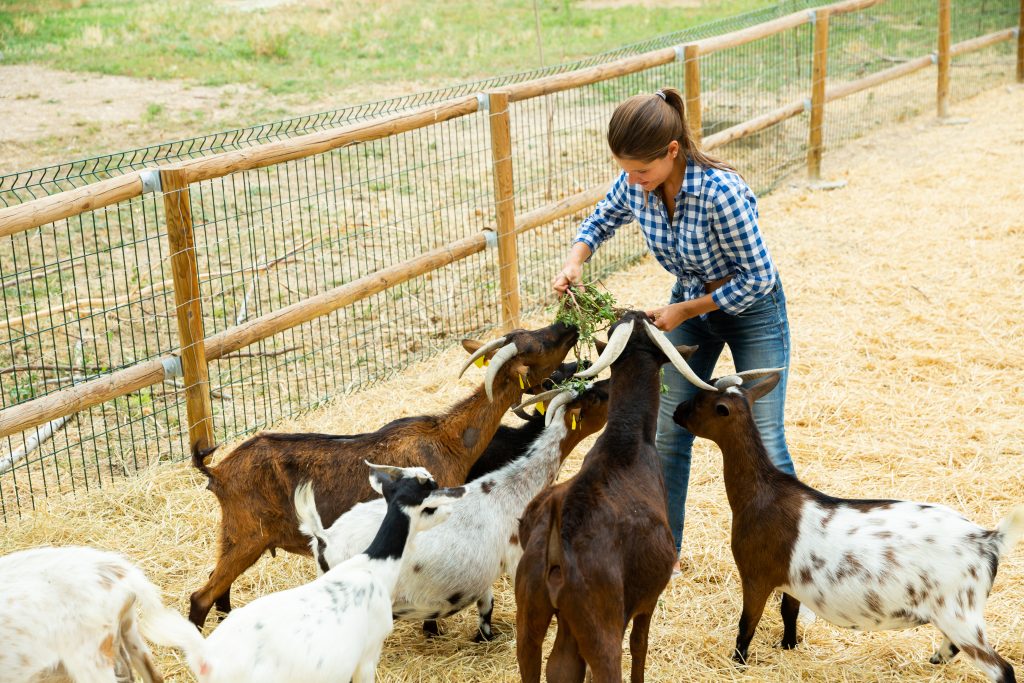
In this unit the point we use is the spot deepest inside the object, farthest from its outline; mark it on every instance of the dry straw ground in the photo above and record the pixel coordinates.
(905, 302)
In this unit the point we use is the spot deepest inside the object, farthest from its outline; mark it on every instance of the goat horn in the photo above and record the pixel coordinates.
(723, 383)
(556, 403)
(500, 358)
(521, 414)
(760, 372)
(612, 351)
(480, 352)
(537, 398)
(659, 338)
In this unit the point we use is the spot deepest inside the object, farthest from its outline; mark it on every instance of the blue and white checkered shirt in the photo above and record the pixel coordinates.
(713, 233)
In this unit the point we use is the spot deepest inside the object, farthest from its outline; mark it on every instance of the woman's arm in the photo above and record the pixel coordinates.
(611, 212)
(733, 217)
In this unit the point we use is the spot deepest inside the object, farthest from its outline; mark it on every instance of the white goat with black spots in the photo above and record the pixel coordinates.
(456, 563)
(333, 628)
(81, 614)
(862, 564)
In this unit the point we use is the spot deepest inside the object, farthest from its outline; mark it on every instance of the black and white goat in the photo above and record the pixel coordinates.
(862, 564)
(81, 614)
(455, 564)
(333, 628)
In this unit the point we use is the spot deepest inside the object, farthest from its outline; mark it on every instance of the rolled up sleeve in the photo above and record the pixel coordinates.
(734, 219)
(611, 213)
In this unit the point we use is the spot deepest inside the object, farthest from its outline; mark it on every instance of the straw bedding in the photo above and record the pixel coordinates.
(905, 301)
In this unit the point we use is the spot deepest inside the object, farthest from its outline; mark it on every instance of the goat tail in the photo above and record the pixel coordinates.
(199, 456)
(311, 525)
(164, 626)
(1010, 530)
(556, 561)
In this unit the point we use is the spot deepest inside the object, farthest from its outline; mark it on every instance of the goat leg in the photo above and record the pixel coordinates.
(754, 599)
(485, 607)
(235, 558)
(790, 610)
(638, 646)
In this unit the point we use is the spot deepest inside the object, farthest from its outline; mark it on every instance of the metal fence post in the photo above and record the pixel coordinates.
(504, 205)
(944, 60)
(819, 75)
(691, 66)
(185, 271)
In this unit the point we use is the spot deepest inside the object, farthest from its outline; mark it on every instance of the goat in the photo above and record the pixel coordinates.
(455, 564)
(331, 629)
(862, 564)
(70, 614)
(597, 549)
(255, 482)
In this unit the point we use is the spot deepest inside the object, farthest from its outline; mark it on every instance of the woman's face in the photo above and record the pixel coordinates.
(650, 174)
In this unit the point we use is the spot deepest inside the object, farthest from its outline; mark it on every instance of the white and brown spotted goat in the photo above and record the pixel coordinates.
(862, 564)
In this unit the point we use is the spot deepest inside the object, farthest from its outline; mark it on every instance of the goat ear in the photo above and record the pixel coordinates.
(722, 409)
(382, 475)
(575, 416)
(471, 345)
(764, 386)
(686, 351)
(600, 347)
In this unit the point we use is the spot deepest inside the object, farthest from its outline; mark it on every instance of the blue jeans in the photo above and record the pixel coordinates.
(758, 338)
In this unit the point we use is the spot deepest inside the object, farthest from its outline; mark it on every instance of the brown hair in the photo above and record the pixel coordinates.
(642, 127)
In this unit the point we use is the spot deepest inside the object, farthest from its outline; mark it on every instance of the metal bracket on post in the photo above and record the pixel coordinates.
(172, 367)
(150, 181)
(935, 57)
(483, 101)
(491, 238)
(813, 16)
(807, 104)
(680, 51)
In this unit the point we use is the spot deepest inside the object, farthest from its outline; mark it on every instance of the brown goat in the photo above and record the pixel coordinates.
(255, 483)
(597, 548)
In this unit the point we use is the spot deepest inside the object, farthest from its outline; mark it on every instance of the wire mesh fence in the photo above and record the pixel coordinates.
(92, 294)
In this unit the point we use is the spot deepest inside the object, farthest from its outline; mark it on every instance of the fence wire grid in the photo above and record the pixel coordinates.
(92, 294)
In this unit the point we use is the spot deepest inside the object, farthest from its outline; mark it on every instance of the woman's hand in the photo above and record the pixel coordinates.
(670, 317)
(572, 272)
(569, 275)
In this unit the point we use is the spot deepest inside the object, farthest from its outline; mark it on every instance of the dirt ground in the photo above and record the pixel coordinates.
(51, 116)
(905, 300)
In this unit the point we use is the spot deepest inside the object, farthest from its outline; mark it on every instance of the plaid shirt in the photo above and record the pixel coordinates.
(713, 233)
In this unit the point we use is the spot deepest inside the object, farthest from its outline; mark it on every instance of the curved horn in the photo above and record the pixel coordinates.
(521, 414)
(659, 338)
(760, 372)
(611, 352)
(500, 358)
(481, 351)
(723, 383)
(537, 398)
(556, 403)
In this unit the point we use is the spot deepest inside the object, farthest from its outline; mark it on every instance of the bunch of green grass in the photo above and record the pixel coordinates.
(590, 310)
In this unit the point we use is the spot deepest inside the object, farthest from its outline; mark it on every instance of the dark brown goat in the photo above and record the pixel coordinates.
(597, 548)
(255, 482)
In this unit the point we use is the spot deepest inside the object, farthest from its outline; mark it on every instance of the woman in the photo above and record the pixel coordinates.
(699, 219)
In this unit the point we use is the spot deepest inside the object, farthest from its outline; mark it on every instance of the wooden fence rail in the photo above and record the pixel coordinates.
(197, 350)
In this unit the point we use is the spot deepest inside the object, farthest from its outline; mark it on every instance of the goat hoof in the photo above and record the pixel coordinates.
(787, 645)
(739, 658)
(431, 628)
(482, 637)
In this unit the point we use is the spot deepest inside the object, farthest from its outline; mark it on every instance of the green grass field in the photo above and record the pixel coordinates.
(315, 47)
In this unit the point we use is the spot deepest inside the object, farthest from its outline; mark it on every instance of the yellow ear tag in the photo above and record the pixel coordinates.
(522, 385)
(540, 407)
(480, 362)
(574, 420)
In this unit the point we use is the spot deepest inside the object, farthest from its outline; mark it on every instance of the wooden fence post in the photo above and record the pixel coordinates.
(1020, 44)
(185, 272)
(504, 205)
(691, 54)
(944, 60)
(819, 75)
